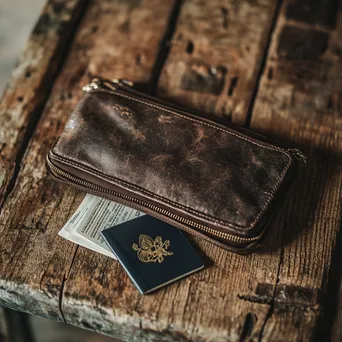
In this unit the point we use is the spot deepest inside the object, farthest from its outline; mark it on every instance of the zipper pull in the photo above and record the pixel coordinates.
(97, 83)
(93, 85)
(123, 81)
(298, 155)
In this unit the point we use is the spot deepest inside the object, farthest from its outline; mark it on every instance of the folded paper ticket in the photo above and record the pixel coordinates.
(92, 216)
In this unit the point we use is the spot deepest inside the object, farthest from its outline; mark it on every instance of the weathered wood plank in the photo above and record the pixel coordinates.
(97, 294)
(212, 305)
(298, 102)
(235, 298)
(216, 55)
(115, 39)
(31, 81)
(204, 307)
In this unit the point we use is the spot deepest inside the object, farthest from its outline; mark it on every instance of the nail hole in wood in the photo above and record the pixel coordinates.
(58, 125)
(94, 29)
(28, 74)
(224, 11)
(190, 47)
(226, 115)
(58, 8)
(336, 50)
(64, 95)
(248, 326)
(233, 85)
(20, 99)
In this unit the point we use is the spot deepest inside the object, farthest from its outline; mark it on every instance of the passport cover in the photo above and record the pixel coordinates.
(152, 252)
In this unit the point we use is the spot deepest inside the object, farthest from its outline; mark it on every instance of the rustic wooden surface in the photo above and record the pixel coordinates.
(299, 102)
(216, 54)
(31, 81)
(272, 66)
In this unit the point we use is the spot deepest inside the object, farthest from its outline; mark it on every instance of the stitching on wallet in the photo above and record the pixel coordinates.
(275, 148)
(210, 218)
(129, 185)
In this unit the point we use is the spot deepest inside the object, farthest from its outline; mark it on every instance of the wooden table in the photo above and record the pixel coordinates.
(272, 66)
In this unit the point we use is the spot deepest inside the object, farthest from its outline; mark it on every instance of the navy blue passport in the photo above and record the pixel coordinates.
(152, 252)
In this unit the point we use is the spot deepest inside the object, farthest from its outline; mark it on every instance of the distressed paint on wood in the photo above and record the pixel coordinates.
(299, 102)
(216, 55)
(31, 81)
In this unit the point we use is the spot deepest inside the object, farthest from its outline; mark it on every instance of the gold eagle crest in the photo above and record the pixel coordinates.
(150, 250)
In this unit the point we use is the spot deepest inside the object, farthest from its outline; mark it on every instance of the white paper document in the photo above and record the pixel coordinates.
(92, 216)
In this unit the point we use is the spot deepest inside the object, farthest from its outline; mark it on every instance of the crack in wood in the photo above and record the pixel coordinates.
(63, 46)
(164, 48)
(263, 64)
(248, 326)
(330, 302)
(63, 283)
(225, 17)
(255, 299)
(233, 84)
(272, 302)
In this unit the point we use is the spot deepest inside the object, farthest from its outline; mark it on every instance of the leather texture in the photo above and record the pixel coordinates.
(191, 167)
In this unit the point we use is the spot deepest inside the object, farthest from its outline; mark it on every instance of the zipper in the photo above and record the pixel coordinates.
(116, 84)
(125, 86)
(143, 204)
(298, 155)
(97, 83)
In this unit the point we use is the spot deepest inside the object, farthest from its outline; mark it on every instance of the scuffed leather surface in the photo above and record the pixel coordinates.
(196, 167)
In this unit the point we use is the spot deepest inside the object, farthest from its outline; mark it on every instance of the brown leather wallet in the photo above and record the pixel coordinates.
(217, 181)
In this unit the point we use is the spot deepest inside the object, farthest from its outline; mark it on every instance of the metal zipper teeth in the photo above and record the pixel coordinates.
(109, 85)
(221, 235)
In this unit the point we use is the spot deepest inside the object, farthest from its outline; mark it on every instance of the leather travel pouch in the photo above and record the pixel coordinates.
(216, 181)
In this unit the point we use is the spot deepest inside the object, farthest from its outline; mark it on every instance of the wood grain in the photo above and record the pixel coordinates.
(212, 305)
(31, 81)
(216, 55)
(34, 261)
(273, 295)
(298, 103)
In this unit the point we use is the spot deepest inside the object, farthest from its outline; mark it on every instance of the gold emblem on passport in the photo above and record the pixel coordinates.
(150, 250)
